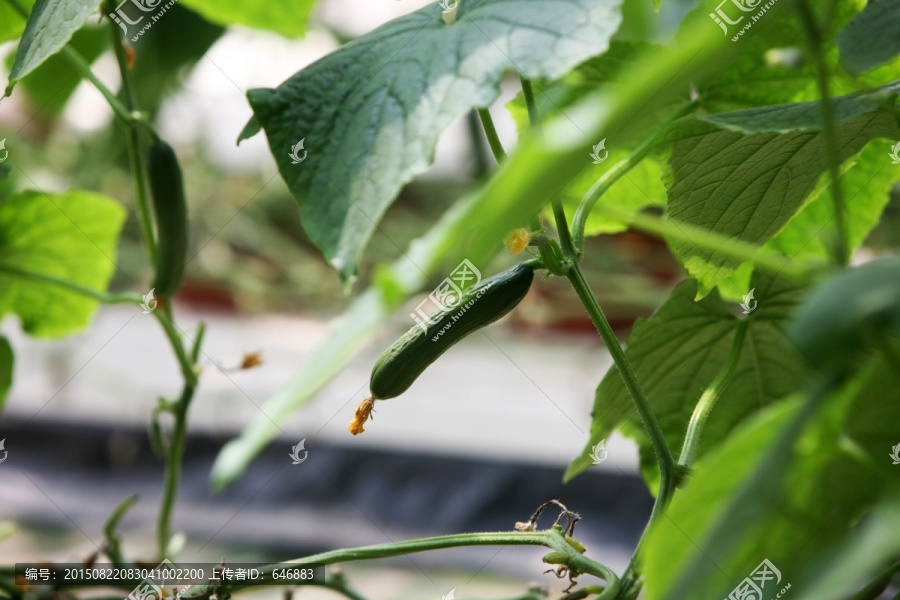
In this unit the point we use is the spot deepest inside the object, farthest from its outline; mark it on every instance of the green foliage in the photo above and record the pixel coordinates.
(642, 186)
(12, 24)
(70, 236)
(792, 451)
(50, 85)
(871, 37)
(745, 174)
(792, 513)
(287, 18)
(50, 26)
(677, 353)
(371, 113)
(6, 369)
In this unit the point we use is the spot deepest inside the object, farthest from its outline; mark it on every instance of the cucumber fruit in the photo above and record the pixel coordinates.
(401, 364)
(170, 212)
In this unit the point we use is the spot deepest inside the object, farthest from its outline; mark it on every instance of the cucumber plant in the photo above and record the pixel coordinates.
(764, 158)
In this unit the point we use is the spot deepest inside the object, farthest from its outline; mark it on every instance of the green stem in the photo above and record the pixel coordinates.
(174, 456)
(133, 144)
(491, 133)
(709, 240)
(174, 453)
(617, 172)
(164, 317)
(120, 298)
(113, 547)
(668, 474)
(198, 340)
(534, 223)
(552, 539)
(528, 92)
(828, 129)
(667, 465)
(709, 398)
(562, 228)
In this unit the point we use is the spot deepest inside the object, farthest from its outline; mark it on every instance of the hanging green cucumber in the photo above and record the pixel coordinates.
(401, 364)
(170, 211)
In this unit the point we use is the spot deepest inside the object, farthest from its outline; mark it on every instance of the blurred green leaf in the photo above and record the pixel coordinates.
(50, 86)
(50, 27)
(70, 236)
(370, 113)
(753, 78)
(848, 566)
(785, 500)
(12, 23)
(871, 37)
(6, 369)
(286, 18)
(745, 174)
(164, 57)
(520, 188)
(677, 353)
(642, 186)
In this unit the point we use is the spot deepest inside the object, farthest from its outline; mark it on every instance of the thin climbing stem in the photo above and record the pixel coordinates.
(120, 298)
(816, 44)
(132, 140)
(670, 229)
(667, 464)
(491, 133)
(710, 396)
(602, 185)
(175, 452)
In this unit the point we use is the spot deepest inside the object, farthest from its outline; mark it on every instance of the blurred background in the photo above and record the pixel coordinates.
(479, 441)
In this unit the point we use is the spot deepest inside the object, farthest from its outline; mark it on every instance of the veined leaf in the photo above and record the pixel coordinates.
(677, 353)
(69, 236)
(866, 184)
(871, 37)
(370, 113)
(746, 174)
(287, 18)
(50, 26)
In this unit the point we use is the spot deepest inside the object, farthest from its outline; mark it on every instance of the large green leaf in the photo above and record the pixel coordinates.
(50, 26)
(745, 174)
(866, 184)
(678, 352)
(12, 23)
(540, 167)
(287, 18)
(871, 37)
(6, 369)
(787, 501)
(69, 236)
(370, 113)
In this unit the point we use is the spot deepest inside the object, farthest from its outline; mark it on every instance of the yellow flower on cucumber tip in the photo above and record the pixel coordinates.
(517, 240)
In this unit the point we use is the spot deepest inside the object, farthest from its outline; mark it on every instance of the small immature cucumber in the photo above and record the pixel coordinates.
(401, 364)
(170, 211)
